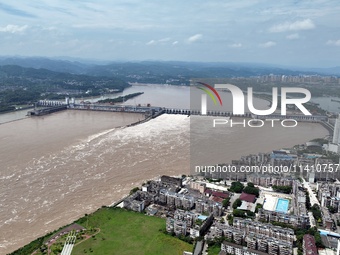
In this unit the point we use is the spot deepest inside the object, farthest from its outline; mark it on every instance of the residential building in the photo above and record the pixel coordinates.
(265, 229)
(235, 249)
(176, 200)
(198, 186)
(171, 180)
(299, 221)
(308, 245)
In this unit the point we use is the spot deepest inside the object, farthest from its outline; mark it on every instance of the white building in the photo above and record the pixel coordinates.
(336, 133)
(335, 145)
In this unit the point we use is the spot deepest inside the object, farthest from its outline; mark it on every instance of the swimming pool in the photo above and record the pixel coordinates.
(282, 205)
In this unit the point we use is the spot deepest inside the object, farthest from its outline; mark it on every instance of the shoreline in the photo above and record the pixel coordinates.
(10, 121)
(17, 110)
(113, 205)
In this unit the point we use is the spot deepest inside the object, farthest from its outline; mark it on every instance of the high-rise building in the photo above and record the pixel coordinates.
(336, 133)
(334, 146)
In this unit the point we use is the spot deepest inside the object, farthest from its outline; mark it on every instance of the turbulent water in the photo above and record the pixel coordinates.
(41, 194)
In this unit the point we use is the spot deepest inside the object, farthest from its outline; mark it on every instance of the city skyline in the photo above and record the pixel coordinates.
(288, 33)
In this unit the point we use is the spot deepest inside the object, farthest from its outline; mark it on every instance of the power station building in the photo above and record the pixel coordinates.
(335, 145)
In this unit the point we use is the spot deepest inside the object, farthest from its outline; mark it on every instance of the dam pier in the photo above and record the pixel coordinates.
(44, 107)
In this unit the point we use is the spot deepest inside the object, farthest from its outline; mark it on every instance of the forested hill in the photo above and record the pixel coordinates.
(32, 76)
(23, 86)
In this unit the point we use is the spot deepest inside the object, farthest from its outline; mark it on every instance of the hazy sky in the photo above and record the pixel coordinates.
(286, 32)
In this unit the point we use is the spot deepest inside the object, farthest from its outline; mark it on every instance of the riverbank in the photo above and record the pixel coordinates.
(111, 227)
(120, 99)
(16, 110)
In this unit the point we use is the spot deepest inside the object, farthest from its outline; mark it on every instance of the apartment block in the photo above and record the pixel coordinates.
(299, 221)
(309, 247)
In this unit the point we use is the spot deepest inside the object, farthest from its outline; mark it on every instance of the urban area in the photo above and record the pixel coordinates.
(246, 214)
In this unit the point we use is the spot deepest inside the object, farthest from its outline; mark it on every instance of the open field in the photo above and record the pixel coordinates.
(214, 250)
(270, 202)
(272, 199)
(125, 232)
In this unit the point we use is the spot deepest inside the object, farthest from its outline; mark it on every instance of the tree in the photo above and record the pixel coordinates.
(239, 213)
(316, 212)
(308, 204)
(332, 209)
(237, 203)
(258, 206)
(283, 189)
(254, 191)
(230, 219)
(226, 202)
(236, 187)
(250, 213)
(318, 241)
(250, 184)
(134, 190)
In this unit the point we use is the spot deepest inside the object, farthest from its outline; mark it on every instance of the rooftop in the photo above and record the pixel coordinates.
(309, 245)
(248, 197)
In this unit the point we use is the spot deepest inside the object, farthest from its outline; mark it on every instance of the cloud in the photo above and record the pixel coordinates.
(152, 42)
(267, 44)
(305, 24)
(13, 11)
(333, 42)
(195, 38)
(293, 36)
(236, 45)
(13, 29)
(175, 42)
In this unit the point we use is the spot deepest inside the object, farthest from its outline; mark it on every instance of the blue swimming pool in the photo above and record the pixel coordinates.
(282, 205)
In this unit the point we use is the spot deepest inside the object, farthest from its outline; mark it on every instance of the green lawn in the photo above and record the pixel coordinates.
(214, 250)
(127, 233)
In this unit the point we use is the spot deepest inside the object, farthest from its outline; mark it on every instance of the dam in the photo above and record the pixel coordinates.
(44, 107)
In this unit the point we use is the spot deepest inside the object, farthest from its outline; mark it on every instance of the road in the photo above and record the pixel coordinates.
(312, 196)
(69, 243)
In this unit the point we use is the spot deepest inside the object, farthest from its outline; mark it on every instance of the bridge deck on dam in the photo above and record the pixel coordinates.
(153, 111)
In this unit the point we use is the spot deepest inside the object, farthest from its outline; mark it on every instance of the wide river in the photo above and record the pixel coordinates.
(56, 168)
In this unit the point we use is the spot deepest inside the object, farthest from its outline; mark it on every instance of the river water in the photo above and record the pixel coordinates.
(58, 167)
(330, 104)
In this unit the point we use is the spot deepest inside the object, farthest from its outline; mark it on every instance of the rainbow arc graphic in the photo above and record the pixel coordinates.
(211, 92)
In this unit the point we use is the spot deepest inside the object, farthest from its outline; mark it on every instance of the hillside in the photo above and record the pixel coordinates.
(23, 86)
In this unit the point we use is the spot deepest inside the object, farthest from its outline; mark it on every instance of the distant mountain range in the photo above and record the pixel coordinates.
(153, 71)
(63, 66)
